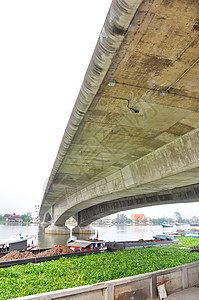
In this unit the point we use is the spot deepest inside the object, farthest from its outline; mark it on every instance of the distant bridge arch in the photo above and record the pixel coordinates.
(47, 218)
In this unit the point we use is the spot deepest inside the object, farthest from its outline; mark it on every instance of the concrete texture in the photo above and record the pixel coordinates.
(61, 230)
(187, 294)
(177, 195)
(83, 229)
(134, 130)
(139, 287)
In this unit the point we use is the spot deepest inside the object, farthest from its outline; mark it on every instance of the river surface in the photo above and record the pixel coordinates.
(105, 232)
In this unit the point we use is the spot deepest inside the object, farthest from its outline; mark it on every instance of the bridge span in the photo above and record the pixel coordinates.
(133, 136)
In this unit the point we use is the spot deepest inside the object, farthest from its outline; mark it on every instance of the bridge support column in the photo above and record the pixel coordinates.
(83, 229)
(53, 229)
(44, 223)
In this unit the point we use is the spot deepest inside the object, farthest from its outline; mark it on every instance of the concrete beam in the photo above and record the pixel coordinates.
(173, 165)
(177, 195)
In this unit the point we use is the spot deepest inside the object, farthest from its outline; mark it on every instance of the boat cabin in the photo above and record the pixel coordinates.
(86, 245)
(18, 243)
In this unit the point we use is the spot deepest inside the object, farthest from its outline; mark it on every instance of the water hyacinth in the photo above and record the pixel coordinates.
(29, 279)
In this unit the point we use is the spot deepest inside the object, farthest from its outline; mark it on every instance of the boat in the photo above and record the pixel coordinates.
(163, 237)
(192, 234)
(194, 249)
(166, 225)
(158, 240)
(80, 248)
(86, 245)
(19, 243)
(194, 224)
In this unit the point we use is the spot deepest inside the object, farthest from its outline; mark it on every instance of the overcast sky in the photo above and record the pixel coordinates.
(45, 50)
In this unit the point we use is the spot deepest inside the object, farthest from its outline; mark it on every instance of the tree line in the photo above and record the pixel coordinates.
(123, 219)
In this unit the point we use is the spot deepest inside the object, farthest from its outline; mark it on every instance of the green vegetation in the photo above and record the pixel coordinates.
(159, 221)
(18, 281)
(122, 219)
(6, 215)
(26, 218)
(177, 218)
(1, 218)
(188, 242)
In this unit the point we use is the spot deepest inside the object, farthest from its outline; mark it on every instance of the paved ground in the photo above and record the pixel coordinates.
(187, 294)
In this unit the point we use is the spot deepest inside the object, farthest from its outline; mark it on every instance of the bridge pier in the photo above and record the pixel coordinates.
(45, 223)
(83, 229)
(53, 229)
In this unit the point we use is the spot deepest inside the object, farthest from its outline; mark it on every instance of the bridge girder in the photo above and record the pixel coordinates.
(134, 129)
(173, 165)
(177, 195)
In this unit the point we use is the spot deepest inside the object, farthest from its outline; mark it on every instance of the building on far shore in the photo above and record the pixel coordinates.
(14, 218)
(138, 218)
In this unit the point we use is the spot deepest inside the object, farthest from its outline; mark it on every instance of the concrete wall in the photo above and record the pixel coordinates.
(139, 287)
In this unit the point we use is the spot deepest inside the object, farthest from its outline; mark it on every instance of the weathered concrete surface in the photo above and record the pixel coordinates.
(187, 294)
(173, 165)
(61, 230)
(177, 195)
(83, 230)
(139, 287)
(134, 129)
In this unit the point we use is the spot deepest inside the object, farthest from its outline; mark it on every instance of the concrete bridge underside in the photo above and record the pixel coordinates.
(133, 135)
(177, 195)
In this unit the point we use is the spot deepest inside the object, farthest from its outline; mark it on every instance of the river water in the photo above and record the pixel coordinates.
(107, 233)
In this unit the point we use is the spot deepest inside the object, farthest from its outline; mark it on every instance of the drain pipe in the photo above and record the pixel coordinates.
(164, 93)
